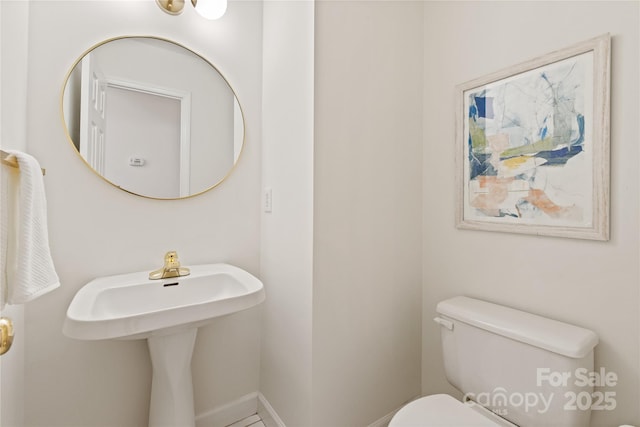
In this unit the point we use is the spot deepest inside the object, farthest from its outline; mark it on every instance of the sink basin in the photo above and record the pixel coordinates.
(131, 306)
(167, 313)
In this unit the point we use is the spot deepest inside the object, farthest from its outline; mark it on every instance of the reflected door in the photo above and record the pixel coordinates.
(143, 149)
(92, 114)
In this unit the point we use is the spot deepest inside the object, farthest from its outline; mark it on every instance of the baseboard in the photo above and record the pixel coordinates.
(269, 416)
(271, 419)
(229, 413)
(384, 421)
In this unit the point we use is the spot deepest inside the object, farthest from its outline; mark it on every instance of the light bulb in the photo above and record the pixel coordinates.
(210, 9)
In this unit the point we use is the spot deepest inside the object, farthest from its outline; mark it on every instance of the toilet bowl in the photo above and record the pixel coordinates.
(503, 360)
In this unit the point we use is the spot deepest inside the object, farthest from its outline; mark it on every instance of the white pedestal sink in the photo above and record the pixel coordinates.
(166, 313)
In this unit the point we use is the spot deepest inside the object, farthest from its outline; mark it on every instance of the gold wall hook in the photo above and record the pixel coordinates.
(6, 334)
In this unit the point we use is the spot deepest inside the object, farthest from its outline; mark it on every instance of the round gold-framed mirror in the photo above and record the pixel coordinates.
(152, 117)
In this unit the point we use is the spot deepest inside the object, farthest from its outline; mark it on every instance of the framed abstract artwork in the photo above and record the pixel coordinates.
(533, 146)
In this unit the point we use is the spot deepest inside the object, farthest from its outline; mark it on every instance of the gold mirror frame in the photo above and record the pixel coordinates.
(75, 149)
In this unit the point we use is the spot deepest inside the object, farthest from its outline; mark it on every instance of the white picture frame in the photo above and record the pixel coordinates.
(532, 151)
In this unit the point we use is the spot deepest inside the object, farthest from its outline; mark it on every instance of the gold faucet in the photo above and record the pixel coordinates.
(171, 268)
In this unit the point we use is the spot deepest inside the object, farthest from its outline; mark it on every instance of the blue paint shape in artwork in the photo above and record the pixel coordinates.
(473, 111)
(480, 165)
(526, 209)
(502, 213)
(484, 106)
(560, 156)
(580, 120)
(546, 79)
(543, 131)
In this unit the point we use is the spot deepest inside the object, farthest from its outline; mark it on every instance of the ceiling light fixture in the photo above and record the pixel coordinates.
(209, 9)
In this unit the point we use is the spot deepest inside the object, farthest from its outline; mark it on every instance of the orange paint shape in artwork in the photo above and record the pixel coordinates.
(489, 181)
(540, 200)
(497, 192)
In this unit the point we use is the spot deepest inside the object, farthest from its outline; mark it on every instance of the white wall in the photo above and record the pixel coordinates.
(287, 232)
(591, 284)
(367, 210)
(342, 155)
(341, 258)
(13, 86)
(96, 229)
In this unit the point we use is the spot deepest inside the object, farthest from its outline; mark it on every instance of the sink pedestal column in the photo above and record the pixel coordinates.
(171, 385)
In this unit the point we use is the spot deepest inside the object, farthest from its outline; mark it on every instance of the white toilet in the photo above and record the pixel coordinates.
(514, 368)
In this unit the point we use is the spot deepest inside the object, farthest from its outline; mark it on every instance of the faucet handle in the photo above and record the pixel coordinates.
(171, 260)
(171, 268)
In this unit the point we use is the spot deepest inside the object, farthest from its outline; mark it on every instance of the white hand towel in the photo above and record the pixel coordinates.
(8, 189)
(28, 270)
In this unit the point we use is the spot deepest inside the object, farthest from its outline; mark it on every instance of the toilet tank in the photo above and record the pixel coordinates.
(528, 369)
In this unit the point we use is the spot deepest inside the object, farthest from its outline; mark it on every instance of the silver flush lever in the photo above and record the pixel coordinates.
(444, 322)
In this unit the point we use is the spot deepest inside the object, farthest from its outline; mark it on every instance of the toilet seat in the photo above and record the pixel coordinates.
(442, 410)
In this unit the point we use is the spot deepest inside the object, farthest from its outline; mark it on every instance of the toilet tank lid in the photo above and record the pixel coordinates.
(552, 335)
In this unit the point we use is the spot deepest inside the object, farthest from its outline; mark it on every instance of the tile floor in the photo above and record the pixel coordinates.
(253, 421)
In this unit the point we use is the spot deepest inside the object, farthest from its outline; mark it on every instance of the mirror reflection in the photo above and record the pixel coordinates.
(152, 117)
